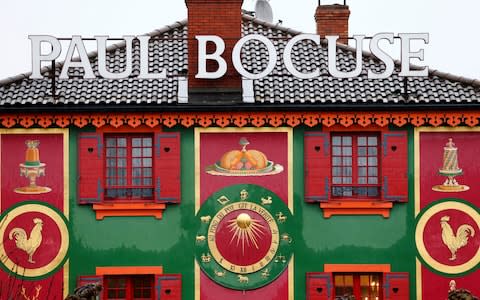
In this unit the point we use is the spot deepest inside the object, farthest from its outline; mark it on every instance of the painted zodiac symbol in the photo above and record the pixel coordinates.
(205, 219)
(266, 201)
(223, 200)
(200, 238)
(286, 238)
(281, 217)
(242, 279)
(206, 258)
(266, 273)
(34, 297)
(220, 273)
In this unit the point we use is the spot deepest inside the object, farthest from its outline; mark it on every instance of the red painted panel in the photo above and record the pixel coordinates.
(168, 287)
(167, 167)
(319, 286)
(317, 166)
(277, 290)
(435, 286)
(90, 168)
(13, 153)
(396, 286)
(395, 166)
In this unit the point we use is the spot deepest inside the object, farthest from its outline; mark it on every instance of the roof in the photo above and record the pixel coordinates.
(169, 49)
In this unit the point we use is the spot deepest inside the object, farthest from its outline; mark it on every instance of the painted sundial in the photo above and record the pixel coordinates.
(244, 239)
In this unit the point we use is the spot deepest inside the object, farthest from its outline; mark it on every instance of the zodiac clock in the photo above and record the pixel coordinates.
(244, 240)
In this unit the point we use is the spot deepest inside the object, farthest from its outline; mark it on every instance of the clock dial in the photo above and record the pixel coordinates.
(243, 242)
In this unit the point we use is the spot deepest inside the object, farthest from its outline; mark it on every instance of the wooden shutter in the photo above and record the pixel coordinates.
(319, 286)
(168, 287)
(396, 286)
(317, 166)
(84, 280)
(90, 168)
(395, 166)
(167, 167)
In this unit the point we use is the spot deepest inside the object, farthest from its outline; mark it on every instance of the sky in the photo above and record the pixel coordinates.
(453, 26)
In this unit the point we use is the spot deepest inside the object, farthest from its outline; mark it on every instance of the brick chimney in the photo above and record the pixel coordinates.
(333, 20)
(214, 17)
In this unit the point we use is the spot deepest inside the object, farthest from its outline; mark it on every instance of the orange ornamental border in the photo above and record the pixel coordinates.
(242, 119)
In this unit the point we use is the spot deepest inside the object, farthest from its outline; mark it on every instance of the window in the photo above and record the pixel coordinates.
(129, 167)
(356, 171)
(135, 287)
(128, 172)
(355, 166)
(361, 286)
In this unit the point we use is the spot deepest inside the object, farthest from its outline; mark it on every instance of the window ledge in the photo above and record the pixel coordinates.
(128, 210)
(356, 208)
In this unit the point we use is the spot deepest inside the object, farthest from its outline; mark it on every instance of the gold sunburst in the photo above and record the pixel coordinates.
(245, 230)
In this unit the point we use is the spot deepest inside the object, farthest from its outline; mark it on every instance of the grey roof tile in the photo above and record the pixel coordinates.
(169, 49)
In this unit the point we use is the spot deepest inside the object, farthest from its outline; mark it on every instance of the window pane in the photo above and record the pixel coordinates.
(347, 161)
(347, 180)
(336, 141)
(347, 151)
(372, 171)
(337, 171)
(372, 140)
(362, 191)
(372, 180)
(362, 151)
(122, 162)
(362, 161)
(122, 152)
(137, 152)
(111, 172)
(147, 181)
(122, 142)
(137, 181)
(137, 172)
(362, 171)
(347, 140)
(122, 172)
(337, 180)
(372, 161)
(337, 150)
(136, 142)
(362, 180)
(347, 171)
(336, 161)
(147, 172)
(372, 150)
(362, 141)
(111, 162)
(148, 193)
(137, 162)
(147, 142)
(373, 191)
(111, 142)
(136, 193)
(147, 152)
(147, 162)
(111, 152)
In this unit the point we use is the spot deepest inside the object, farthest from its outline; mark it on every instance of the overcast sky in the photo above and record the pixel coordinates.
(453, 25)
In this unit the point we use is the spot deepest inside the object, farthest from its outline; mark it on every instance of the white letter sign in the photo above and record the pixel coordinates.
(203, 57)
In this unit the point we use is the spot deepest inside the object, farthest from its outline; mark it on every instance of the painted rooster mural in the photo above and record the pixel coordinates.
(29, 245)
(452, 241)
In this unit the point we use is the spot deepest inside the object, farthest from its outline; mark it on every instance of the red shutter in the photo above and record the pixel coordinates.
(395, 166)
(319, 286)
(90, 168)
(168, 287)
(396, 286)
(84, 280)
(167, 167)
(317, 166)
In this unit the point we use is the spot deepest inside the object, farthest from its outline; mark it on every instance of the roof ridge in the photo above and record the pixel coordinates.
(92, 54)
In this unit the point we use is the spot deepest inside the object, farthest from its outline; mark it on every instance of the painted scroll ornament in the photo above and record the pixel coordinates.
(32, 168)
(244, 163)
(450, 169)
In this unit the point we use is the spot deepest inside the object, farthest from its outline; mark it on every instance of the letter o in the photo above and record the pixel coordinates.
(237, 62)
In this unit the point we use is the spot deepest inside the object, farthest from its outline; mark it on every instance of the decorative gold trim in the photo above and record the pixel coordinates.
(291, 279)
(66, 276)
(197, 279)
(419, 231)
(418, 267)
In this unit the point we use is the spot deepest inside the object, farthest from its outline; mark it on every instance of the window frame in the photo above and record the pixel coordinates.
(129, 168)
(357, 287)
(355, 165)
(129, 286)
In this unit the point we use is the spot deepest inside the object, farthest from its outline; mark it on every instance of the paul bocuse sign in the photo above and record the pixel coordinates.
(77, 45)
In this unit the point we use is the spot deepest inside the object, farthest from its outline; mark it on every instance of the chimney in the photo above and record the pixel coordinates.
(224, 19)
(333, 20)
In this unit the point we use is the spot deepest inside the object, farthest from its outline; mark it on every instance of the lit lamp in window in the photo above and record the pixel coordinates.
(32, 168)
(450, 169)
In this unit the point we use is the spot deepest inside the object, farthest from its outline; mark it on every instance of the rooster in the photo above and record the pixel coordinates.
(455, 242)
(29, 245)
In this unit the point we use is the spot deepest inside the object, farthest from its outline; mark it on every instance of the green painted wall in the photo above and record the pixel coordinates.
(117, 241)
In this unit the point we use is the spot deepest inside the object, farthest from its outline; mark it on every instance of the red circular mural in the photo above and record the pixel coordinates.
(32, 240)
(451, 237)
(243, 237)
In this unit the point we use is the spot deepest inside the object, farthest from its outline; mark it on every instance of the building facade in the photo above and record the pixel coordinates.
(272, 188)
